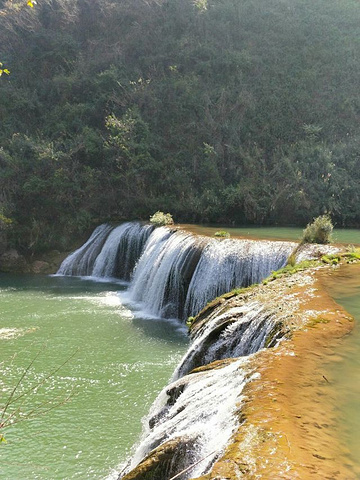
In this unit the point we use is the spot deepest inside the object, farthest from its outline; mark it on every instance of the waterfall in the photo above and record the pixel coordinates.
(197, 411)
(81, 261)
(179, 273)
(173, 273)
(227, 264)
(241, 330)
(121, 251)
(164, 271)
(195, 416)
(110, 252)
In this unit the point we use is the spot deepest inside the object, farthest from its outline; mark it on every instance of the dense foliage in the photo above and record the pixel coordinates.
(232, 111)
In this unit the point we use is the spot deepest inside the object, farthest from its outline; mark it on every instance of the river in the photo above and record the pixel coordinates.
(117, 364)
(340, 235)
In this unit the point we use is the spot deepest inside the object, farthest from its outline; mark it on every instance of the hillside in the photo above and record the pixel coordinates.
(232, 111)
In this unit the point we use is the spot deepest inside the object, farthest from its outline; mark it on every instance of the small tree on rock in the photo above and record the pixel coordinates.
(319, 231)
(159, 219)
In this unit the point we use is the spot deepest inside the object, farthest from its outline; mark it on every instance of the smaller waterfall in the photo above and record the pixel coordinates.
(179, 273)
(238, 332)
(121, 250)
(200, 410)
(227, 264)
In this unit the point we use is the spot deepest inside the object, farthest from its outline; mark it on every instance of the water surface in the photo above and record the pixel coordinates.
(344, 286)
(116, 366)
(344, 236)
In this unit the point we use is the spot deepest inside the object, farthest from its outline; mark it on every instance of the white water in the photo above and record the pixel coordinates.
(121, 250)
(82, 260)
(159, 281)
(105, 263)
(227, 264)
(173, 273)
(203, 415)
(109, 253)
(238, 332)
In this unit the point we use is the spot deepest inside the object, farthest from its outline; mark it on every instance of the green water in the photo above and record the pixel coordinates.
(344, 286)
(119, 364)
(345, 236)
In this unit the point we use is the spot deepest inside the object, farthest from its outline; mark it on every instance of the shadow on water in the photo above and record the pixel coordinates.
(170, 331)
(61, 285)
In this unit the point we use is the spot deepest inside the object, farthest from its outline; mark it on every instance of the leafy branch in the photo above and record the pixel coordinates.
(3, 70)
(17, 399)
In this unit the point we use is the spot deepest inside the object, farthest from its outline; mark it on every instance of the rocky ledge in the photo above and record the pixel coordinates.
(11, 261)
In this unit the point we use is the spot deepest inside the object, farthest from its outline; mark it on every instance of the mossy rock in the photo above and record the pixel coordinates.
(165, 461)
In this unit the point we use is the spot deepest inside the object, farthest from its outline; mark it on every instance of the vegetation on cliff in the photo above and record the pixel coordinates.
(217, 110)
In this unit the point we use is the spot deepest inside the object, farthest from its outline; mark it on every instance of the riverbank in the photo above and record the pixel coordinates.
(48, 263)
(340, 236)
(290, 428)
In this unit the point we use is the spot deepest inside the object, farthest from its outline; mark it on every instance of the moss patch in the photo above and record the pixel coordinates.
(315, 321)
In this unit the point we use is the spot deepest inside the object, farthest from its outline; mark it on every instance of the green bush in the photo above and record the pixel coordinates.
(160, 219)
(222, 234)
(319, 231)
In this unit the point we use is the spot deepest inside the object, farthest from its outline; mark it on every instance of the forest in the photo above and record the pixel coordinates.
(218, 111)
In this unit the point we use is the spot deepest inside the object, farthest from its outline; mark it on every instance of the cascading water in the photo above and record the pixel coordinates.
(81, 261)
(173, 273)
(227, 264)
(164, 271)
(240, 331)
(121, 250)
(197, 411)
(109, 252)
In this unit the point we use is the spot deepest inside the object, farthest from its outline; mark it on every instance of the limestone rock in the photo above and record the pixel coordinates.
(40, 266)
(12, 262)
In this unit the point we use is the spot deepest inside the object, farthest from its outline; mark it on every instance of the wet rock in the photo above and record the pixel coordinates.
(12, 262)
(40, 266)
(3, 242)
(165, 461)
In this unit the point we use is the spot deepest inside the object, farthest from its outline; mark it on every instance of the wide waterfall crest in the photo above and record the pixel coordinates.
(173, 273)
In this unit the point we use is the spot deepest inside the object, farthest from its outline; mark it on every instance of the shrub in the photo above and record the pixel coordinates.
(160, 219)
(222, 234)
(319, 231)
